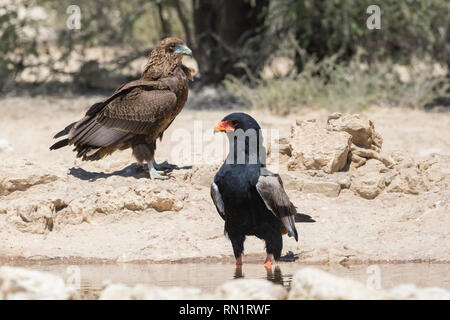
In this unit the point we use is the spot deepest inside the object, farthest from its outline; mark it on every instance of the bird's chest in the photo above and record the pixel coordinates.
(237, 187)
(181, 90)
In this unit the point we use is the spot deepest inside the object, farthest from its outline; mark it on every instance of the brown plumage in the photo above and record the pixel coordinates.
(138, 112)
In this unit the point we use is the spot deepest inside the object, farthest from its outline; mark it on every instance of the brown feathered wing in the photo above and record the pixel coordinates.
(139, 107)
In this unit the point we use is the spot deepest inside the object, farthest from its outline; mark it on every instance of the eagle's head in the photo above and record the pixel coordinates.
(165, 57)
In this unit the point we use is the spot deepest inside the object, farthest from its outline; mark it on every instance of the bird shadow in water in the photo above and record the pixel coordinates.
(134, 170)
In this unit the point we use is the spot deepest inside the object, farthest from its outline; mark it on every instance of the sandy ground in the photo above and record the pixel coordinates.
(59, 207)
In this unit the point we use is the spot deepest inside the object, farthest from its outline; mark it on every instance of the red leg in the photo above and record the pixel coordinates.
(268, 262)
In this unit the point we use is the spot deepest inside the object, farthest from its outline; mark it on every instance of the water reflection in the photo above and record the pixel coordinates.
(209, 276)
(272, 274)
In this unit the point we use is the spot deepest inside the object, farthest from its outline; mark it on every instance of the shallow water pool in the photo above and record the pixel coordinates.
(209, 276)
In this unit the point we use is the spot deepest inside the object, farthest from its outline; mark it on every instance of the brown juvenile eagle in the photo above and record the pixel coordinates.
(138, 112)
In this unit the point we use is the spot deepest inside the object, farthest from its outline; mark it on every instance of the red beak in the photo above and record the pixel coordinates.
(224, 126)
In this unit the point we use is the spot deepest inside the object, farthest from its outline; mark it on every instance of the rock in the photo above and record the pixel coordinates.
(410, 291)
(368, 181)
(402, 159)
(22, 178)
(314, 284)
(316, 148)
(23, 284)
(408, 180)
(370, 154)
(5, 146)
(40, 216)
(250, 289)
(327, 188)
(359, 127)
(436, 169)
(143, 292)
(35, 217)
(341, 178)
(292, 181)
(284, 147)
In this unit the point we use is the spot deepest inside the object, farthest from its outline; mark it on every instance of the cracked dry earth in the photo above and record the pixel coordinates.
(53, 206)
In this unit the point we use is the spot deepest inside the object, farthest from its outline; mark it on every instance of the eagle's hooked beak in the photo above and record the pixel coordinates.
(224, 126)
(183, 50)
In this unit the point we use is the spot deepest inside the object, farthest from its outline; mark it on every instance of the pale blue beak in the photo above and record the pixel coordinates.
(180, 49)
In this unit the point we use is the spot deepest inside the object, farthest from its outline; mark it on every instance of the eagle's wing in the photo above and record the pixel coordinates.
(140, 111)
(270, 188)
(137, 111)
(217, 199)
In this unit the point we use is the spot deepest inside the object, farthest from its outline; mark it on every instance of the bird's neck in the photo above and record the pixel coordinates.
(160, 66)
(246, 147)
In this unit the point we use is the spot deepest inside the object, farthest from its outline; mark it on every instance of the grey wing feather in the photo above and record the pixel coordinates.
(217, 199)
(270, 188)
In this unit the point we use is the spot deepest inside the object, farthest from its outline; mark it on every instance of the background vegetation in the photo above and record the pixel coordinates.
(331, 59)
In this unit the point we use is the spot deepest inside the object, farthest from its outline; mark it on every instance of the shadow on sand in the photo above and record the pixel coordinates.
(134, 170)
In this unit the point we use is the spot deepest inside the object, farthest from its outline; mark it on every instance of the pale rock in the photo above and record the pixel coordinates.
(402, 159)
(411, 292)
(408, 180)
(250, 289)
(21, 178)
(314, 284)
(368, 181)
(327, 188)
(5, 146)
(341, 178)
(32, 217)
(23, 284)
(436, 169)
(291, 181)
(316, 148)
(359, 127)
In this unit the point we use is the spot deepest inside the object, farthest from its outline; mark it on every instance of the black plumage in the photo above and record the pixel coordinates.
(250, 198)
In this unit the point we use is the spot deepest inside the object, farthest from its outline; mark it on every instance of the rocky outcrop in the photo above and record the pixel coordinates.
(351, 146)
(359, 127)
(313, 147)
(366, 142)
(42, 215)
(24, 284)
(21, 178)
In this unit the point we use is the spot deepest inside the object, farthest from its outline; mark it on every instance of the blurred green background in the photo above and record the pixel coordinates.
(275, 54)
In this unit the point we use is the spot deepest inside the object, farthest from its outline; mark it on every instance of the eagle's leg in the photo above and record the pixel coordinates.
(268, 262)
(155, 174)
